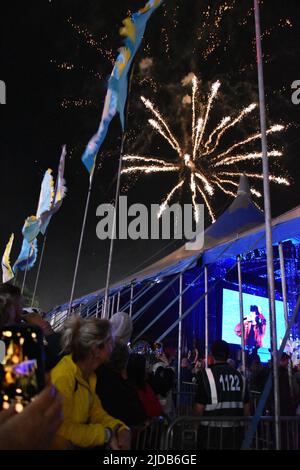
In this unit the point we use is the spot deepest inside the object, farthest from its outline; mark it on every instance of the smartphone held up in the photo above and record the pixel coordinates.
(22, 368)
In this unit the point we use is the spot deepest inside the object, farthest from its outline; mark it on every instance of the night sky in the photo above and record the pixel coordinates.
(48, 106)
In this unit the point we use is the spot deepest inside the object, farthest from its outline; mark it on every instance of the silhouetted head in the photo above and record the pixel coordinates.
(220, 350)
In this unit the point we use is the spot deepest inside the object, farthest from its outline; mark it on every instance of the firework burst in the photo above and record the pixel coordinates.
(202, 162)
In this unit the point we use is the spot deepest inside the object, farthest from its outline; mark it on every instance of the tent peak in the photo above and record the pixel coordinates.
(244, 187)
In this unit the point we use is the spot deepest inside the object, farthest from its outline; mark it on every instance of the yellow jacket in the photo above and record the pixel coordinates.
(84, 418)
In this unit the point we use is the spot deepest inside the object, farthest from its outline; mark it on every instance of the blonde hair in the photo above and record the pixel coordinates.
(80, 334)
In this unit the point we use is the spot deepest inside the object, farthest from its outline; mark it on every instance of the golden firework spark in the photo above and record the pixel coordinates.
(203, 164)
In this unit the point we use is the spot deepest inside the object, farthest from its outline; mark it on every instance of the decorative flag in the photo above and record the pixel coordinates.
(133, 29)
(110, 109)
(7, 272)
(31, 227)
(27, 256)
(59, 194)
(46, 194)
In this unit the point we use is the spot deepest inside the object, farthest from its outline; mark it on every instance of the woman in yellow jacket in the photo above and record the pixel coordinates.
(85, 422)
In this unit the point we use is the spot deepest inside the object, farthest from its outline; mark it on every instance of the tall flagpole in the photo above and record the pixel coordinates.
(241, 315)
(179, 338)
(104, 310)
(122, 66)
(45, 235)
(15, 277)
(111, 248)
(285, 304)
(80, 243)
(268, 222)
(39, 270)
(113, 234)
(25, 274)
(206, 313)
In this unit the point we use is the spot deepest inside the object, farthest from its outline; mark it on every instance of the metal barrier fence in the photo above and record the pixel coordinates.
(254, 400)
(221, 433)
(184, 401)
(151, 436)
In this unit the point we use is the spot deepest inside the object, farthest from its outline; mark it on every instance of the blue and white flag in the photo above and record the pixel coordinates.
(59, 194)
(31, 226)
(133, 29)
(27, 256)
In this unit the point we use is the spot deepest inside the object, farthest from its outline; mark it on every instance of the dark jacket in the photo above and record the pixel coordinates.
(119, 397)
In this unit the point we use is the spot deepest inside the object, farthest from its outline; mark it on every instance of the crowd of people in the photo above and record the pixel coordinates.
(256, 374)
(99, 391)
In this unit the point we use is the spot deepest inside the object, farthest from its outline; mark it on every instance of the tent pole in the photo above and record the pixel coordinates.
(107, 312)
(164, 289)
(142, 292)
(283, 284)
(194, 305)
(162, 312)
(184, 315)
(118, 301)
(113, 305)
(241, 315)
(250, 433)
(179, 339)
(131, 299)
(206, 313)
(141, 310)
(268, 223)
(285, 307)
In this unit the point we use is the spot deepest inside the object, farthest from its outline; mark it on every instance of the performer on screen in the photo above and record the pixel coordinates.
(254, 328)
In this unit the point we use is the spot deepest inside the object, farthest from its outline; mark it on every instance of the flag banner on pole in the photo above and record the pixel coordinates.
(46, 194)
(31, 227)
(7, 272)
(90, 153)
(27, 256)
(133, 30)
(59, 194)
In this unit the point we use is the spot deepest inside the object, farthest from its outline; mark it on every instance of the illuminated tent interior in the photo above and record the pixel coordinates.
(152, 295)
